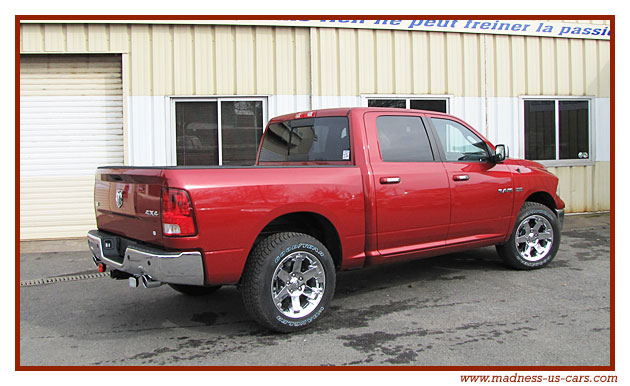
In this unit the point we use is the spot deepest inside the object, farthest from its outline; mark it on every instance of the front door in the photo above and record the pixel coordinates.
(482, 192)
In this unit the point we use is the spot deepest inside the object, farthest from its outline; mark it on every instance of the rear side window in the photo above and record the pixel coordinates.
(309, 139)
(403, 139)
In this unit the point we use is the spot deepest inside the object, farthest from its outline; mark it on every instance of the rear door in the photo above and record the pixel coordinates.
(412, 189)
(481, 191)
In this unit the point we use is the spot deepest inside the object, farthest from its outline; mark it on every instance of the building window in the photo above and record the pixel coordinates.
(218, 131)
(557, 129)
(397, 103)
(414, 103)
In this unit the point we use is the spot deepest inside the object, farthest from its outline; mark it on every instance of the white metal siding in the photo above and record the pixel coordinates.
(70, 123)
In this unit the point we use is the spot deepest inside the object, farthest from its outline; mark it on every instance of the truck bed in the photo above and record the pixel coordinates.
(232, 205)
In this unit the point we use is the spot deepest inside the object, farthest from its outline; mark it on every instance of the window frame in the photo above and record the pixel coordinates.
(173, 100)
(408, 98)
(556, 99)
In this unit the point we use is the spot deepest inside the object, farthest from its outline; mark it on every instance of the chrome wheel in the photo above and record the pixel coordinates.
(534, 238)
(298, 284)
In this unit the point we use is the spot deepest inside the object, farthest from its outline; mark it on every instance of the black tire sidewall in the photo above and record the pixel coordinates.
(515, 256)
(295, 244)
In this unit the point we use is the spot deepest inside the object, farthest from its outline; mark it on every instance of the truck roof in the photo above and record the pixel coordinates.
(344, 111)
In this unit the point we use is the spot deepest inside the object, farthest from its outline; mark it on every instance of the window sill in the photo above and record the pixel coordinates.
(566, 163)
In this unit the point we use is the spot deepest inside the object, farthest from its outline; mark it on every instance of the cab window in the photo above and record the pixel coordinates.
(307, 139)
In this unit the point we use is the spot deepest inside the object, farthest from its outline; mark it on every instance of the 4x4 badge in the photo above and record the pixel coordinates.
(119, 198)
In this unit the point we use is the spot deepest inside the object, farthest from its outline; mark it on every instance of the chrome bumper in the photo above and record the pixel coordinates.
(560, 214)
(167, 267)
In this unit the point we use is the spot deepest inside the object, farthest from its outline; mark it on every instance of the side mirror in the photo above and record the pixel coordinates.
(501, 152)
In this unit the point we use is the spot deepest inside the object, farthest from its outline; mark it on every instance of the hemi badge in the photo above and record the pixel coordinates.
(519, 189)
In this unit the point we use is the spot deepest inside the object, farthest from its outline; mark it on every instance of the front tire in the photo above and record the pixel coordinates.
(535, 239)
(288, 281)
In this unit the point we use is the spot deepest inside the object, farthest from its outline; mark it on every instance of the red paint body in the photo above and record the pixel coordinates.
(428, 213)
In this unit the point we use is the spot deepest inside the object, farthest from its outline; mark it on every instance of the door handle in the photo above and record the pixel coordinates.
(389, 180)
(461, 177)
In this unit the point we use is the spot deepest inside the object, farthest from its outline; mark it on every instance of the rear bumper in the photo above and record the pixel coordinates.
(140, 260)
(560, 214)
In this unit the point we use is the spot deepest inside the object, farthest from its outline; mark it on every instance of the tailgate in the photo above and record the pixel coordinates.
(127, 202)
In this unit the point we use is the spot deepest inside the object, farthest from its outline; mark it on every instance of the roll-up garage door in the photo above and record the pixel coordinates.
(70, 123)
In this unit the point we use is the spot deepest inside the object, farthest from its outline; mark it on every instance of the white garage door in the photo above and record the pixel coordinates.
(70, 123)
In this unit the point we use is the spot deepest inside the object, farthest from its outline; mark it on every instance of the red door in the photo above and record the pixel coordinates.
(482, 192)
(411, 185)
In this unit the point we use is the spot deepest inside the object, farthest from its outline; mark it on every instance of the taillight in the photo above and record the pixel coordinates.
(177, 213)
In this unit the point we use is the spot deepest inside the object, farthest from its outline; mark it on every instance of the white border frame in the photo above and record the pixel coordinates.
(407, 97)
(172, 100)
(591, 129)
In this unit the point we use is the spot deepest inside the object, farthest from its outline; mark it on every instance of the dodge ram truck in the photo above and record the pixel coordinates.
(331, 190)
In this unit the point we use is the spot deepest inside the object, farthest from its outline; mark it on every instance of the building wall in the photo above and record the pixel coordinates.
(308, 68)
(71, 122)
(190, 60)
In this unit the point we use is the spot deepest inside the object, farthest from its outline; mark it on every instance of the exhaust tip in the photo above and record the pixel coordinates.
(147, 282)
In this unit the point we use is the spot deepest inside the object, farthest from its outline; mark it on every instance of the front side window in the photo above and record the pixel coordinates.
(307, 139)
(556, 129)
(403, 139)
(202, 139)
(458, 142)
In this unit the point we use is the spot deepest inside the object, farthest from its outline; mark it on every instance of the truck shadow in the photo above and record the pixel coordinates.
(224, 312)
(446, 267)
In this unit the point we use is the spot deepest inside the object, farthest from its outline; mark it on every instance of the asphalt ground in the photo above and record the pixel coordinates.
(455, 310)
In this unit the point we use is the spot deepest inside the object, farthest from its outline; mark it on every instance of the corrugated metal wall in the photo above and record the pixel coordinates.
(584, 188)
(341, 64)
(228, 60)
(354, 62)
(190, 60)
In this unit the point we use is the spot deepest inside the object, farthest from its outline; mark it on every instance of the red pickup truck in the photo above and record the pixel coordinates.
(331, 190)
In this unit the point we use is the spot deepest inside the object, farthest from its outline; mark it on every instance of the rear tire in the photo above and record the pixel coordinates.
(288, 281)
(535, 238)
(194, 290)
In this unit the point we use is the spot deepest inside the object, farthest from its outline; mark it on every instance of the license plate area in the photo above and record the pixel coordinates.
(110, 246)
